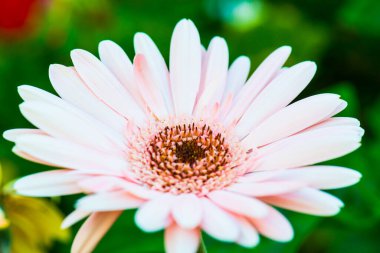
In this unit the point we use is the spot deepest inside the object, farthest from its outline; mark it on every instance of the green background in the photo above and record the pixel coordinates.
(343, 37)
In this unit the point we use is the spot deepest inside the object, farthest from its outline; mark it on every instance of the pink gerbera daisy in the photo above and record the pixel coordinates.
(195, 148)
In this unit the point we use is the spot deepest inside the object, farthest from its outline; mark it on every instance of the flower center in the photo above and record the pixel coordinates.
(191, 157)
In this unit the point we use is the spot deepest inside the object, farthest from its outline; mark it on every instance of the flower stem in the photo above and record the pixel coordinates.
(202, 246)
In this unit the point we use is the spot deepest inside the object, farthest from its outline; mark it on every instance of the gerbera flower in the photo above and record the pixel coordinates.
(193, 147)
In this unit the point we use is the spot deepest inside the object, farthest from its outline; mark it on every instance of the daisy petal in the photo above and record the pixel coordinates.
(94, 228)
(13, 134)
(274, 226)
(181, 240)
(187, 211)
(69, 155)
(278, 94)
(308, 148)
(108, 201)
(266, 188)
(154, 215)
(248, 237)
(118, 62)
(71, 88)
(185, 66)
(321, 177)
(214, 78)
(292, 119)
(144, 45)
(218, 223)
(49, 183)
(259, 79)
(307, 200)
(239, 204)
(105, 85)
(237, 75)
(74, 217)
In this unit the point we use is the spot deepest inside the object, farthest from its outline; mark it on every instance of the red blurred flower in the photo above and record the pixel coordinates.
(17, 16)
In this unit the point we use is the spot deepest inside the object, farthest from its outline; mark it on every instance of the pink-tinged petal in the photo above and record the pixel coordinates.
(72, 89)
(215, 76)
(49, 183)
(185, 66)
(248, 236)
(321, 177)
(274, 226)
(53, 120)
(140, 191)
(187, 211)
(337, 121)
(218, 223)
(307, 200)
(237, 75)
(255, 84)
(13, 134)
(148, 86)
(258, 176)
(238, 203)
(270, 188)
(292, 119)
(118, 62)
(33, 94)
(105, 85)
(278, 94)
(74, 217)
(101, 183)
(69, 155)
(159, 71)
(308, 148)
(92, 231)
(108, 201)
(29, 157)
(181, 240)
(154, 215)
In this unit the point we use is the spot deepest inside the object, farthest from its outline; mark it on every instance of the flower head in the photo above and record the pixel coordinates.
(194, 147)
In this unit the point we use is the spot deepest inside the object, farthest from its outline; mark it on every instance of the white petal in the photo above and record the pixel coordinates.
(239, 204)
(215, 76)
(148, 86)
(248, 234)
(118, 62)
(258, 189)
(185, 66)
(181, 240)
(67, 123)
(218, 223)
(292, 119)
(92, 231)
(49, 183)
(321, 177)
(274, 226)
(307, 200)
(154, 215)
(144, 45)
(237, 75)
(187, 211)
(74, 217)
(13, 134)
(69, 155)
(308, 148)
(278, 94)
(105, 85)
(108, 201)
(71, 88)
(259, 79)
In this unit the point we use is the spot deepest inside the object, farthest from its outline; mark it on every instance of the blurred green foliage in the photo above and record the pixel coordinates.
(343, 37)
